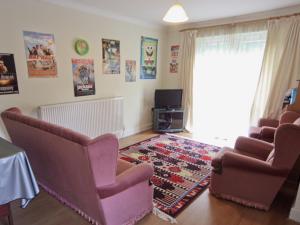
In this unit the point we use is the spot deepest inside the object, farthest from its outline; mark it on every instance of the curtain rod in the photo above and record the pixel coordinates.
(244, 22)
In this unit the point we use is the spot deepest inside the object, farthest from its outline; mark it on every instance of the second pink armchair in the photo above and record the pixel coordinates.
(253, 172)
(266, 127)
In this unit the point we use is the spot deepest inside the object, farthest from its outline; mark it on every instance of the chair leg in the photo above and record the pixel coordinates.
(10, 218)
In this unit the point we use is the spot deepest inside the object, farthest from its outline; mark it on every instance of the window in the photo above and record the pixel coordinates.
(227, 69)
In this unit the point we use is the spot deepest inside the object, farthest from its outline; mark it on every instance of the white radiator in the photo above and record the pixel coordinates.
(92, 118)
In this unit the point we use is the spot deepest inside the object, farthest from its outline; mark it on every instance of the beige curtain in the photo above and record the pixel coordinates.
(281, 67)
(187, 59)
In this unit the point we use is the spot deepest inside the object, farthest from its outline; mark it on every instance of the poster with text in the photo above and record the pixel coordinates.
(110, 56)
(130, 71)
(174, 59)
(148, 58)
(8, 75)
(40, 54)
(83, 77)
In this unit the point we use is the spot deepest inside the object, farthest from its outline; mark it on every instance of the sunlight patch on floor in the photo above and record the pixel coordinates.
(221, 142)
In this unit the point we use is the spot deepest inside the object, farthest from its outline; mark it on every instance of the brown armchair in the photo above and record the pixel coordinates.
(266, 127)
(253, 172)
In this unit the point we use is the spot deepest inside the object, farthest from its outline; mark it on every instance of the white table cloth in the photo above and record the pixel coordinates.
(17, 180)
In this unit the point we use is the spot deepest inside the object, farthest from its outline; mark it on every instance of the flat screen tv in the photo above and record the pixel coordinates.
(168, 98)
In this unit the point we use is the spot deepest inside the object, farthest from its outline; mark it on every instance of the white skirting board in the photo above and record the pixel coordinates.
(136, 130)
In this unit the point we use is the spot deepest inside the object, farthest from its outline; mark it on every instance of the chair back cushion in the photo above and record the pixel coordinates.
(288, 117)
(287, 146)
(59, 158)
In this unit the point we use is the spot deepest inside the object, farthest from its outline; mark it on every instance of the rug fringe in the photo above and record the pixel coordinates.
(163, 215)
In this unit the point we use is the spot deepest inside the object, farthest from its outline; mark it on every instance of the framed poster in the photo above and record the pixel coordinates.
(110, 56)
(8, 75)
(130, 71)
(83, 77)
(40, 54)
(174, 59)
(148, 58)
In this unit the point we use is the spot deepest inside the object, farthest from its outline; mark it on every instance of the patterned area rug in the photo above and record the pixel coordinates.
(182, 169)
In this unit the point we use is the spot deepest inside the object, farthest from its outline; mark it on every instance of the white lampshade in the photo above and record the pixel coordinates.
(176, 14)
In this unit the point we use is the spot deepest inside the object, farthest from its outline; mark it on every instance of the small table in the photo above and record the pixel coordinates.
(168, 120)
(16, 177)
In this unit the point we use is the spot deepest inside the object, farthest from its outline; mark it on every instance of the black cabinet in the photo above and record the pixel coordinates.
(168, 120)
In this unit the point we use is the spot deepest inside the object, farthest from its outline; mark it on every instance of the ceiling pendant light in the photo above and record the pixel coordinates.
(176, 14)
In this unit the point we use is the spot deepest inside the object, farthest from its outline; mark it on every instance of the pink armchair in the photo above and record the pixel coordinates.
(83, 173)
(253, 172)
(266, 127)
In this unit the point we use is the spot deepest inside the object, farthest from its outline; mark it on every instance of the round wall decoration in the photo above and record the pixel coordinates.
(81, 47)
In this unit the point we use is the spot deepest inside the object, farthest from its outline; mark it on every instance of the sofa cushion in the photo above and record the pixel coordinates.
(122, 166)
(254, 132)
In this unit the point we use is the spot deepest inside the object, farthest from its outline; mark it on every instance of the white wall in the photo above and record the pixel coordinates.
(171, 80)
(66, 25)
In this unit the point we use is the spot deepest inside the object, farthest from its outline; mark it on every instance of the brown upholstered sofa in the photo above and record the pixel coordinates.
(253, 172)
(266, 127)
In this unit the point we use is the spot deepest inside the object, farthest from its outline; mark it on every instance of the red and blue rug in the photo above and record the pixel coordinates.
(181, 169)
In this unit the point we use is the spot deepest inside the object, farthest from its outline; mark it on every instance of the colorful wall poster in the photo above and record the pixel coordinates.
(83, 77)
(40, 54)
(130, 71)
(8, 75)
(174, 59)
(110, 56)
(148, 58)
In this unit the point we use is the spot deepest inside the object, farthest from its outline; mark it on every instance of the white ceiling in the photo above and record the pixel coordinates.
(152, 11)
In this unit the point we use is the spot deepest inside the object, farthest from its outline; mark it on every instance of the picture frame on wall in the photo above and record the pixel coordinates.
(174, 59)
(40, 54)
(8, 75)
(110, 56)
(130, 70)
(83, 77)
(81, 47)
(148, 68)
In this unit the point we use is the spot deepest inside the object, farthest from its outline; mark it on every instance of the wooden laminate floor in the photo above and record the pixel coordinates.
(205, 210)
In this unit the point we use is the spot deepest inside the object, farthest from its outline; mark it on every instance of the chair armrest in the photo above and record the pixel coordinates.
(104, 137)
(254, 146)
(264, 122)
(216, 162)
(268, 132)
(128, 178)
(289, 117)
(242, 162)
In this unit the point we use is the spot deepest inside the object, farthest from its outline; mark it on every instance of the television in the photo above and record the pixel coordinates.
(168, 98)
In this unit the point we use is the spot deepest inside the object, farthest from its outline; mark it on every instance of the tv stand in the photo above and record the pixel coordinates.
(167, 120)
